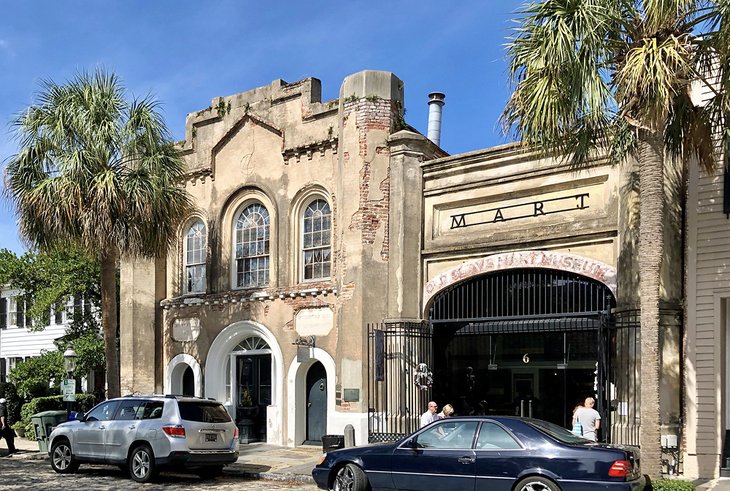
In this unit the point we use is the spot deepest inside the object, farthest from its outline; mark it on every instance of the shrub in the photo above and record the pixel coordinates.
(671, 485)
(84, 402)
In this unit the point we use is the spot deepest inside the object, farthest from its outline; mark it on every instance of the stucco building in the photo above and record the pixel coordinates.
(342, 269)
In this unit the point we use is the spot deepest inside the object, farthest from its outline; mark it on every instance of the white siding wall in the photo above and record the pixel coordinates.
(708, 288)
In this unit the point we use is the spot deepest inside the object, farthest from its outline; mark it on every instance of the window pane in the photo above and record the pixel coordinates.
(446, 434)
(495, 437)
(316, 226)
(252, 246)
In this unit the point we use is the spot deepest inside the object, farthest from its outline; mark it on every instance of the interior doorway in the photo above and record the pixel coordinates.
(530, 342)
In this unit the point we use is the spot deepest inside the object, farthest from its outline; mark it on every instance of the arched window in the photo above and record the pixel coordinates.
(195, 256)
(316, 240)
(252, 236)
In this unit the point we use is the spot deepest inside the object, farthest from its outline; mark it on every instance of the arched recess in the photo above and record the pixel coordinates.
(175, 371)
(215, 371)
(235, 204)
(573, 263)
(296, 390)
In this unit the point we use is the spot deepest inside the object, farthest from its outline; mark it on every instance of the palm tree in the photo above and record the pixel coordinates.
(613, 77)
(99, 172)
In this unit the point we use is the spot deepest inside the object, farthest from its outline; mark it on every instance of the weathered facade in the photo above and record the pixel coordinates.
(275, 317)
(508, 278)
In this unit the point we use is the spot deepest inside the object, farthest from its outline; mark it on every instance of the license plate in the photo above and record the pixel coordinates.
(211, 437)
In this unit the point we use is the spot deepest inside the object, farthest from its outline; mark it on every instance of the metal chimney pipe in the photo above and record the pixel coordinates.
(435, 103)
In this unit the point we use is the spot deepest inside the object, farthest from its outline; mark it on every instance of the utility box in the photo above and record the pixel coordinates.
(43, 424)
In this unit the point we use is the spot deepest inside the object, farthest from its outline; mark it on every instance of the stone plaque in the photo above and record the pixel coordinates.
(314, 322)
(186, 329)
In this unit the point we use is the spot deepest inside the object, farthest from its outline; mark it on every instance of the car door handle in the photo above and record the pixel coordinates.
(131, 427)
(466, 460)
(102, 427)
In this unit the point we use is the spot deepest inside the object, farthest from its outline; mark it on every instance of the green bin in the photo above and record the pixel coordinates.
(43, 423)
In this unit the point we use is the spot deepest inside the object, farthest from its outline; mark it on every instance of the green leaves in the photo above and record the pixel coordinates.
(598, 71)
(70, 181)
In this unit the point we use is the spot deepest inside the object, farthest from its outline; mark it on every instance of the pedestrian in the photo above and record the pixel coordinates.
(430, 415)
(5, 430)
(589, 419)
(577, 429)
(446, 412)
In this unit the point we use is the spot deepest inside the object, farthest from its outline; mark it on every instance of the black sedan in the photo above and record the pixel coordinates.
(480, 453)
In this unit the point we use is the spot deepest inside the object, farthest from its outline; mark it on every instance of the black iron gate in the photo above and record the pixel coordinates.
(399, 382)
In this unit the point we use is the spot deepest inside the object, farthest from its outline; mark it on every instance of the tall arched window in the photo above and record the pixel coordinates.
(252, 236)
(316, 240)
(195, 256)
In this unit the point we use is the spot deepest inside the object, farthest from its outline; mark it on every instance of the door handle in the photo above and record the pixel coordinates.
(466, 460)
(131, 427)
(102, 427)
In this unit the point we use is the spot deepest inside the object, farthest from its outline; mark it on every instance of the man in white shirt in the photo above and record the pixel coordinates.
(429, 416)
(589, 419)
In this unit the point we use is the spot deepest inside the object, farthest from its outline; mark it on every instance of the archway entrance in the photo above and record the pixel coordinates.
(250, 364)
(188, 382)
(530, 342)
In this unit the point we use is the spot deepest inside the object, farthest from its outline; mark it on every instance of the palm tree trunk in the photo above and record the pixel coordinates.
(109, 322)
(651, 252)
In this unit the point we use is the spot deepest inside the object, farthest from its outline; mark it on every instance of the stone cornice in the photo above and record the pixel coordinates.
(308, 150)
(245, 296)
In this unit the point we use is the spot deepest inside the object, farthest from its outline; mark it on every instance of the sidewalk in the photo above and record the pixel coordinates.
(256, 460)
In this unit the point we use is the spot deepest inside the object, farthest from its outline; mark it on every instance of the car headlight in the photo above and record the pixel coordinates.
(322, 458)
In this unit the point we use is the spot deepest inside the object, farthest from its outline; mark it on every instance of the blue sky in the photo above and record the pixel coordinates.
(186, 53)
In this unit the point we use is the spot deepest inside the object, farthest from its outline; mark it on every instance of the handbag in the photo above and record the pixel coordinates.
(577, 429)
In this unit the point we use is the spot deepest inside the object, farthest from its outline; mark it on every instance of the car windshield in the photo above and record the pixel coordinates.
(557, 432)
(203, 412)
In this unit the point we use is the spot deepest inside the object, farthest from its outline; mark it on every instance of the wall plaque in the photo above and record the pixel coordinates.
(186, 329)
(314, 322)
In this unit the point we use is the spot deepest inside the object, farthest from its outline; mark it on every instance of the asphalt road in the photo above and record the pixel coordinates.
(22, 474)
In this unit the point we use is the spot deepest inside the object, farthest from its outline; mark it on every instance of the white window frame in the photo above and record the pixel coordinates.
(200, 256)
(322, 247)
(261, 243)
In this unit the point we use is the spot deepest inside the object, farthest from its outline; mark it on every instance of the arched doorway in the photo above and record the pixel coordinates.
(184, 376)
(316, 403)
(525, 341)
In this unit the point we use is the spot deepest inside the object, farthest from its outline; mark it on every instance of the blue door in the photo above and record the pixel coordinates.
(441, 457)
(316, 403)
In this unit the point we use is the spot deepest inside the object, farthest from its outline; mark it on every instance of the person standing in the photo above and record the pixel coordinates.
(446, 412)
(430, 415)
(5, 430)
(589, 419)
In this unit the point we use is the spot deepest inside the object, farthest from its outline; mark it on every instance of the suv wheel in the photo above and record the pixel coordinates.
(141, 464)
(62, 459)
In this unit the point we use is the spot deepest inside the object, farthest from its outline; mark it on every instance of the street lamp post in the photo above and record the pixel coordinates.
(69, 363)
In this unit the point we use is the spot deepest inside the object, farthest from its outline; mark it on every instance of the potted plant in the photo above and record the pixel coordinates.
(246, 407)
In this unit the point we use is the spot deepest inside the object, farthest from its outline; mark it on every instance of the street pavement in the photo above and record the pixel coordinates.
(259, 467)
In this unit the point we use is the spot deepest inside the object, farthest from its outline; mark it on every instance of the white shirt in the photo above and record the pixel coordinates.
(587, 418)
(428, 417)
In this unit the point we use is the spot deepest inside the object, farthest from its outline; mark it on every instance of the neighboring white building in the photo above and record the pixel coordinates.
(17, 339)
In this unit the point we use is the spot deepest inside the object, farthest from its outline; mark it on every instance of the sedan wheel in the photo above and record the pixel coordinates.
(142, 464)
(62, 459)
(350, 478)
(536, 483)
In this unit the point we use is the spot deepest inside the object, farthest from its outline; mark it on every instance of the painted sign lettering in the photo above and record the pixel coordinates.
(519, 211)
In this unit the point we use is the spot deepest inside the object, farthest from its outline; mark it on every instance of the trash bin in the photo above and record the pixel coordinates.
(332, 442)
(43, 424)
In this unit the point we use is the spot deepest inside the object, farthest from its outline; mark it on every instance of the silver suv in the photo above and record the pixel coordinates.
(142, 434)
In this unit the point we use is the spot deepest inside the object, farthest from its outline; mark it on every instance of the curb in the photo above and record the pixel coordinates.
(270, 476)
(266, 476)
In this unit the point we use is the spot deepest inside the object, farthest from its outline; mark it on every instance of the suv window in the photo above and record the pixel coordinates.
(129, 410)
(203, 412)
(102, 412)
(153, 410)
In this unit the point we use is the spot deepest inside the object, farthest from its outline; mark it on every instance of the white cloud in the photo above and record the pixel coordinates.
(6, 48)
